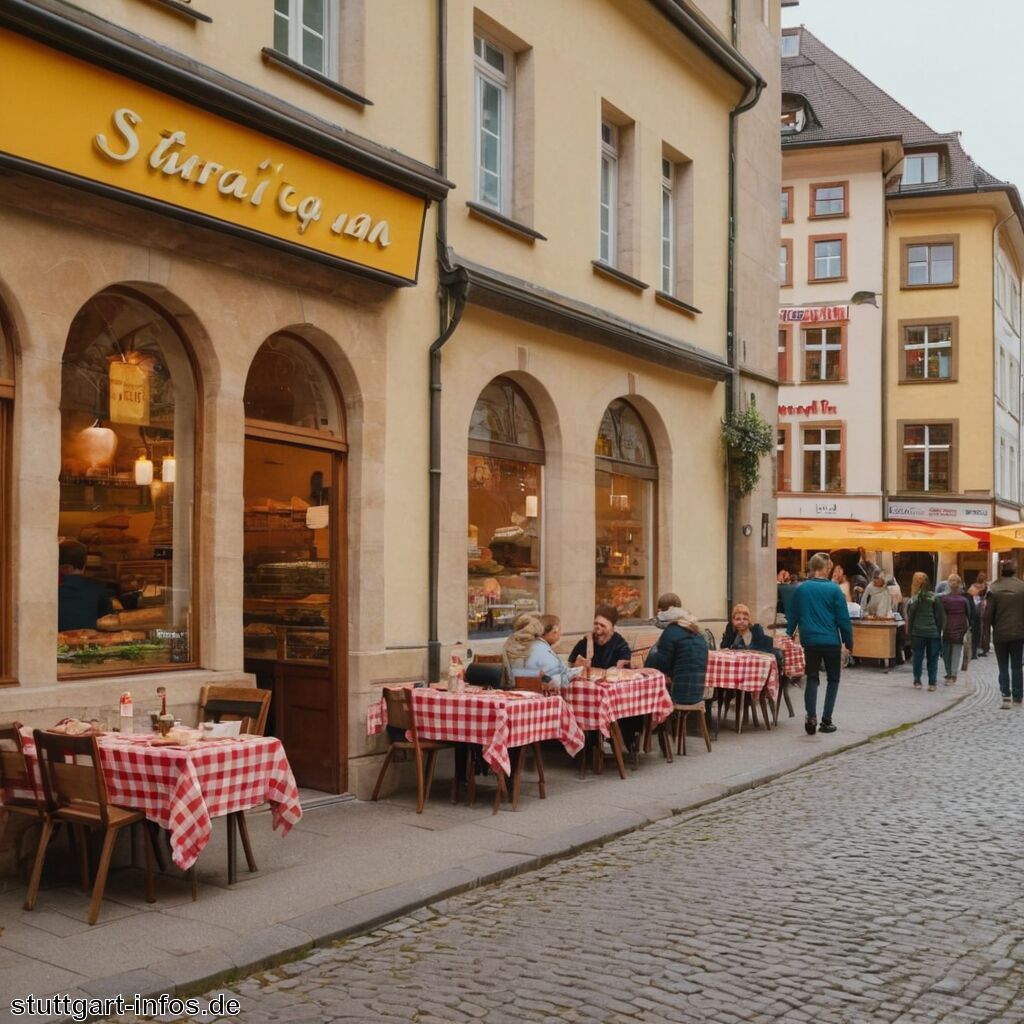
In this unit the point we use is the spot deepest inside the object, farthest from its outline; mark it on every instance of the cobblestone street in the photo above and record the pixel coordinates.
(880, 885)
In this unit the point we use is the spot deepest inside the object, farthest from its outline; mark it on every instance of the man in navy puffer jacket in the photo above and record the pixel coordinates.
(821, 615)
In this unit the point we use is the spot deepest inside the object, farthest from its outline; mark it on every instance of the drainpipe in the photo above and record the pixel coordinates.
(884, 460)
(453, 291)
(749, 100)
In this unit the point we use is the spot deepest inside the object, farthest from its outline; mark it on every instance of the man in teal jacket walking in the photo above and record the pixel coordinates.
(820, 613)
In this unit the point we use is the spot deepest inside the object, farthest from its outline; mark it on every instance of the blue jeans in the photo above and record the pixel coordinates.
(1008, 655)
(921, 646)
(833, 660)
(952, 657)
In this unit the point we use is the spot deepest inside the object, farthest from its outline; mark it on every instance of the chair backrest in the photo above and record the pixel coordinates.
(639, 656)
(533, 682)
(398, 700)
(15, 773)
(71, 774)
(246, 704)
(710, 638)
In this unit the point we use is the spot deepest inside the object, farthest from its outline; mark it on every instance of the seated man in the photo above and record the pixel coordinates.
(81, 601)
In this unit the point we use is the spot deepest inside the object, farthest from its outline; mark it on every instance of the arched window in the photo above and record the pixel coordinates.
(506, 459)
(6, 405)
(127, 491)
(626, 476)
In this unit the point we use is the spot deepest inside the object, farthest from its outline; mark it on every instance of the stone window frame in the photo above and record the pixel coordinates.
(936, 321)
(812, 241)
(901, 464)
(928, 240)
(812, 192)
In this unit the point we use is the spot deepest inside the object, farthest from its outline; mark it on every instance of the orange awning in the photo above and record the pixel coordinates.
(827, 535)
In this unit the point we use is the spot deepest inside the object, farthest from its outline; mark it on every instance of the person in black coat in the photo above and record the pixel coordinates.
(681, 652)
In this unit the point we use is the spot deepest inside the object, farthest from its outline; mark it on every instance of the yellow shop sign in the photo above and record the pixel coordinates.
(82, 120)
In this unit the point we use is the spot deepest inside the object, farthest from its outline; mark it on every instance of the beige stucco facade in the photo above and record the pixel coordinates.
(227, 295)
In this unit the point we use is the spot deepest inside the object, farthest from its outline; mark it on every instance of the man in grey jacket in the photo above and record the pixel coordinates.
(1004, 613)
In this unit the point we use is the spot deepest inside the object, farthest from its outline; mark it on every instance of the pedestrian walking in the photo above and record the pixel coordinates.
(1004, 614)
(958, 608)
(820, 614)
(978, 593)
(926, 619)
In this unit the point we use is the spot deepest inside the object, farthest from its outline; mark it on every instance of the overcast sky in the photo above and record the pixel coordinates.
(957, 66)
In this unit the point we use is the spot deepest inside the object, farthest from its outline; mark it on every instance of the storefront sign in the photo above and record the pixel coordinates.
(129, 393)
(94, 124)
(813, 314)
(826, 507)
(812, 409)
(941, 512)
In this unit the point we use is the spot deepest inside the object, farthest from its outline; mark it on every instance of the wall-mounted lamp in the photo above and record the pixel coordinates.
(167, 469)
(143, 470)
(747, 530)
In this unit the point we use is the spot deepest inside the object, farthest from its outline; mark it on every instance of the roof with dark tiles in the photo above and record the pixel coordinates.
(849, 107)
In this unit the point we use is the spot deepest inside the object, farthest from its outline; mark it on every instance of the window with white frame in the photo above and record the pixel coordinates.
(493, 67)
(1013, 386)
(928, 352)
(609, 205)
(1015, 304)
(828, 259)
(930, 264)
(921, 168)
(1012, 494)
(791, 44)
(823, 353)
(784, 274)
(823, 459)
(668, 227)
(305, 31)
(928, 457)
(1003, 474)
(1001, 385)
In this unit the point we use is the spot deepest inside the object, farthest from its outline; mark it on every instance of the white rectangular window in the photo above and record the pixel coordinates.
(304, 30)
(493, 66)
(921, 168)
(828, 259)
(823, 353)
(1012, 494)
(668, 228)
(1014, 387)
(928, 352)
(823, 459)
(1015, 304)
(791, 44)
(928, 457)
(929, 264)
(609, 204)
(783, 264)
(830, 201)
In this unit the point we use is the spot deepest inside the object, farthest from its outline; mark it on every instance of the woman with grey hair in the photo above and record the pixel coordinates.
(959, 609)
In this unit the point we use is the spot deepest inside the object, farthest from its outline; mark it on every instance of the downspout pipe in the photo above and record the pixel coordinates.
(453, 290)
(884, 455)
(749, 100)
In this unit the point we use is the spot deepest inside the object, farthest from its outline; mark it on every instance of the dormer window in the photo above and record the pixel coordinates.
(794, 114)
(920, 168)
(791, 44)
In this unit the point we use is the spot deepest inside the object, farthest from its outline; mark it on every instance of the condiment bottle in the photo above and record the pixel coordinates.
(456, 677)
(127, 713)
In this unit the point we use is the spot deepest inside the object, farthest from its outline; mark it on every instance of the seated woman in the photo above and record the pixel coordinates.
(741, 634)
(604, 648)
(526, 629)
(681, 652)
(541, 656)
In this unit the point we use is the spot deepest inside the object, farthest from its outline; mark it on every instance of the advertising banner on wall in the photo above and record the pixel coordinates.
(957, 513)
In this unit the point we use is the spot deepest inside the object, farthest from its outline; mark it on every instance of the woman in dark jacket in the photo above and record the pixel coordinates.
(926, 619)
(742, 635)
(681, 652)
(958, 608)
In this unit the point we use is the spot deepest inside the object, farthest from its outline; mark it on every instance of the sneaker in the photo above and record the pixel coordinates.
(917, 684)
(811, 724)
(931, 687)
(1005, 706)
(826, 725)
(1017, 704)
(950, 680)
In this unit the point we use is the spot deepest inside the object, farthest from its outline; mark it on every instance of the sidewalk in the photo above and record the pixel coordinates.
(349, 866)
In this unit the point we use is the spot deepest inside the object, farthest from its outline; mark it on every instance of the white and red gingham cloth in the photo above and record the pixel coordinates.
(751, 671)
(497, 720)
(183, 788)
(794, 664)
(596, 704)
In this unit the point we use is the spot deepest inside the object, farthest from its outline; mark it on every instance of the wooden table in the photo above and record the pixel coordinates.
(874, 638)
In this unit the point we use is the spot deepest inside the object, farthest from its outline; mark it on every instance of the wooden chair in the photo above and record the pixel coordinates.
(401, 715)
(250, 706)
(682, 713)
(15, 775)
(76, 794)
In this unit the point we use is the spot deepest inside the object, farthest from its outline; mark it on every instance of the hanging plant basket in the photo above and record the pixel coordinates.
(747, 436)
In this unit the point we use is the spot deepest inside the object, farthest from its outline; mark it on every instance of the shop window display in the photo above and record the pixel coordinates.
(128, 401)
(625, 481)
(506, 455)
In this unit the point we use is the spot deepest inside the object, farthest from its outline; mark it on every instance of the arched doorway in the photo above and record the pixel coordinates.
(6, 411)
(506, 461)
(125, 598)
(294, 555)
(626, 481)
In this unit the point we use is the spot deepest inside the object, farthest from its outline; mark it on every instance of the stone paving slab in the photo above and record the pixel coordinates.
(356, 865)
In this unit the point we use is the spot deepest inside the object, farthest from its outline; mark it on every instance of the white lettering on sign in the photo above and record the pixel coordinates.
(169, 157)
(813, 314)
(813, 409)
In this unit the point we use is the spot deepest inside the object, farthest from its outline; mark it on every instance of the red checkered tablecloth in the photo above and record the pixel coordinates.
(497, 720)
(750, 671)
(794, 665)
(183, 788)
(596, 704)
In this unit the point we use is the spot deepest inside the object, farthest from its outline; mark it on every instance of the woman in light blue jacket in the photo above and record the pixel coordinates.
(542, 658)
